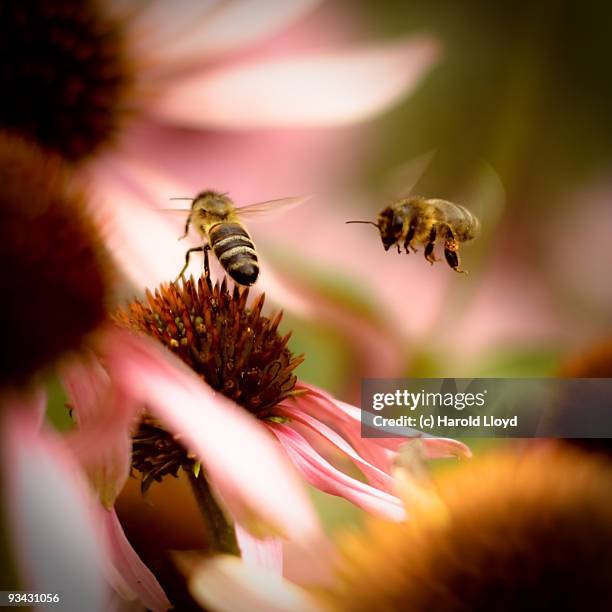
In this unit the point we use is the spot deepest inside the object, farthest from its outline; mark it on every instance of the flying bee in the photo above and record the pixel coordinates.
(218, 221)
(419, 220)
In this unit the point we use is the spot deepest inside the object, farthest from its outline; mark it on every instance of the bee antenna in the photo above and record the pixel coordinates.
(366, 222)
(190, 199)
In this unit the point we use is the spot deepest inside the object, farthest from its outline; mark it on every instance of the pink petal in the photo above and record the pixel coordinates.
(86, 382)
(348, 418)
(105, 415)
(52, 519)
(225, 584)
(322, 475)
(316, 90)
(143, 240)
(266, 554)
(199, 32)
(248, 471)
(133, 578)
(238, 162)
(376, 476)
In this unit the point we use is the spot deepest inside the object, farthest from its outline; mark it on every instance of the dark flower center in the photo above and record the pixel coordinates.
(234, 348)
(64, 75)
(56, 274)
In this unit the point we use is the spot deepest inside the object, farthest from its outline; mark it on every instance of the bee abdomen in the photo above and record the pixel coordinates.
(235, 251)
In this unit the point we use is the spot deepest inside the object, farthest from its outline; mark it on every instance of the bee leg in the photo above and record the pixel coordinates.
(409, 237)
(451, 253)
(206, 248)
(187, 256)
(187, 223)
(429, 247)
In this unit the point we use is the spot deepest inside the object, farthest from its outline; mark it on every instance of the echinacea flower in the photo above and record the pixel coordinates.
(62, 284)
(58, 281)
(228, 388)
(506, 532)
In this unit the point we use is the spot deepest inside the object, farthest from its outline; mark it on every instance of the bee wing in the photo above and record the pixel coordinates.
(401, 180)
(262, 208)
(486, 196)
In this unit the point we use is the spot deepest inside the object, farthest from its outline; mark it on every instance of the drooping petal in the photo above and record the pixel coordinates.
(86, 382)
(317, 90)
(322, 475)
(375, 475)
(225, 584)
(247, 469)
(133, 577)
(53, 520)
(266, 553)
(348, 419)
(199, 31)
(105, 415)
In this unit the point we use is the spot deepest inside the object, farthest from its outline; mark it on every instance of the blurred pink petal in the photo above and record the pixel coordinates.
(266, 553)
(134, 579)
(239, 162)
(86, 382)
(322, 475)
(143, 241)
(53, 521)
(246, 468)
(102, 441)
(333, 88)
(225, 584)
(203, 30)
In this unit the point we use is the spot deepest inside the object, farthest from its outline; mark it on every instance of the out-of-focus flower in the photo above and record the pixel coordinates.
(238, 389)
(59, 281)
(544, 537)
(110, 84)
(64, 542)
(56, 540)
(56, 272)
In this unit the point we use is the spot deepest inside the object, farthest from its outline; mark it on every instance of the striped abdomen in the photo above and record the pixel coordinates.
(235, 251)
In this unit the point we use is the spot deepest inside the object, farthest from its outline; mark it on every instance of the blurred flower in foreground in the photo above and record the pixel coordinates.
(63, 541)
(238, 389)
(56, 273)
(59, 282)
(110, 84)
(542, 540)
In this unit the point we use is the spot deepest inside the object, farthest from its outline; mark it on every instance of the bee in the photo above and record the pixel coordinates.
(218, 221)
(419, 220)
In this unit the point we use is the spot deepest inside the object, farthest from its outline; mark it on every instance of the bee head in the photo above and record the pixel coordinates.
(390, 226)
(212, 203)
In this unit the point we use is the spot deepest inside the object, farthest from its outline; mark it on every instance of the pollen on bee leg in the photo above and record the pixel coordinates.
(451, 253)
